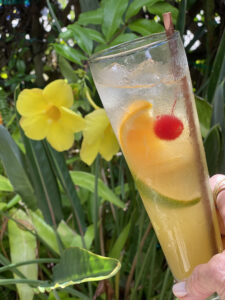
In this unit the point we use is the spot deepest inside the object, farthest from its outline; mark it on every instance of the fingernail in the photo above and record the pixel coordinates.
(179, 289)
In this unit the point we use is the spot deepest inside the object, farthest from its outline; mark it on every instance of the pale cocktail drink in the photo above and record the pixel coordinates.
(153, 115)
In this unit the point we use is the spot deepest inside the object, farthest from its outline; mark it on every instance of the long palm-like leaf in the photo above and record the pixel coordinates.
(59, 165)
(13, 161)
(44, 182)
(218, 69)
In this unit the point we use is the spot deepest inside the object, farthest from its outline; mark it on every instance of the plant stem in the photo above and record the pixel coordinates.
(5, 261)
(34, 283)
(101, 232)
(165, 282)
(28, 262)
(11, 120)
(131, 274)
(77, 293)
(151, 269)
(90, 100)
(56, 295)
(53, 16)
(113, 208)
(143, 266)
(96, 205)
(182, 17)
(121, 177)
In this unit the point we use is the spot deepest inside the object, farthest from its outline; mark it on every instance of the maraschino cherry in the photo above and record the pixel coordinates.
(168, 127)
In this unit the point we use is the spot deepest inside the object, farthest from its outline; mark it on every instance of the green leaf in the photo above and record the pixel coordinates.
(124, 37)
(218, 69)
(113, 14)
(20, 65)
(23, 247)
(160, 8)
(181, 17)
(69, 53)
(119, 190)
(66, 70)
(91, 17)
(60, 168)
(16, 199)
(212, 144)
(5, 262)
(81, 37)
(136, 5)
(3, 206)
(44, 180)
(71, 239)
(94, 35)
(79, 265)
(76, 266)
(204, 110)
(45, 232)
(66, 35)
(13, 162)
(87, 181)
(120, 242)
(218, 116)
(87, 5)
(145, 27)
(5, 185)
(63, 3)
(101, 47)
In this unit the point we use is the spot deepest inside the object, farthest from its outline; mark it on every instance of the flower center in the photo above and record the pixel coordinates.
(53, 113)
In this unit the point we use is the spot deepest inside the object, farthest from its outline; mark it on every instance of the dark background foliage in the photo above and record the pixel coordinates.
(32, 54)
(23, 53)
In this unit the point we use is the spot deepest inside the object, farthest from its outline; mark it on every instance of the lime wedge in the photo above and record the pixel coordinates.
(148, 193)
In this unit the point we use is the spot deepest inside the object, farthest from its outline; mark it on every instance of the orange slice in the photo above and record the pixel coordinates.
(136, 135)
(167, 168)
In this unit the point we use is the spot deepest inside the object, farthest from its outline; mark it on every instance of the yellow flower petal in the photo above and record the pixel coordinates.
(71, 120)
(59, 137)
(98, 137)
(59, 93)
(35, 127)
(31, 102)
(96, 123)
(89, 151)
(109, 145)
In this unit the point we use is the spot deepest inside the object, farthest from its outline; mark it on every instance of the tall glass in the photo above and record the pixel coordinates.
(146, 91)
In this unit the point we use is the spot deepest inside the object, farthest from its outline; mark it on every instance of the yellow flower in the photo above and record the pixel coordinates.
(46, 114)
(98, 137)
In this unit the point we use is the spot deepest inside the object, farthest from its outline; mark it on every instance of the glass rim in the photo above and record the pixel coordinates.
(113, 51)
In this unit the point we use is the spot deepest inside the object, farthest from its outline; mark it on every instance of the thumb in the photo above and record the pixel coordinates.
(217, 183)
(204, 281)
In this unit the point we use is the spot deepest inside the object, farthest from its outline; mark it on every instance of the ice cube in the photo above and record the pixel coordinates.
(112, 75)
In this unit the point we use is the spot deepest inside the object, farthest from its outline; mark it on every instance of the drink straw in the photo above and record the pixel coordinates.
(168, 24)
(199, 159)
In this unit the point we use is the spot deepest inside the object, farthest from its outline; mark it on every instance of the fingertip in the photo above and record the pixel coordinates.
(215, 179)
(179, 289)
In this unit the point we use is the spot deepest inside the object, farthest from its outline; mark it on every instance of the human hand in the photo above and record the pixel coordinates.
(210, 277)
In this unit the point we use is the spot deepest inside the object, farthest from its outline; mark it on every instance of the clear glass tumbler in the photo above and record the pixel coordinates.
(146, 90)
